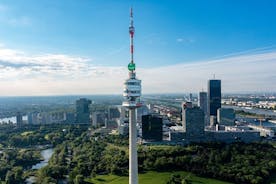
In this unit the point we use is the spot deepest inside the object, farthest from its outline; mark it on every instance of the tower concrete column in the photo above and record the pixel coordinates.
(133, 160)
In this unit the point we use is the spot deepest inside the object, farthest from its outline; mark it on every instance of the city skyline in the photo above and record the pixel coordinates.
(67, 49)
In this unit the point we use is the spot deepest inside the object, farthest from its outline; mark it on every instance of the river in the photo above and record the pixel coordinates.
(46, 154)
(253, 110)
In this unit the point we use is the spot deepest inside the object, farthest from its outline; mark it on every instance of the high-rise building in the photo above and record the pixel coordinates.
(214, 96)
(190, 97)
(82, 111)
(113, 112)
(152, 127)
(123, 121)
(202, 102)
(57, 117)
(33, 118)
(203, 105)
(98, 119)
(19, 119)
(226, 116)
(70, 117)
(30, 118)
(193, 122)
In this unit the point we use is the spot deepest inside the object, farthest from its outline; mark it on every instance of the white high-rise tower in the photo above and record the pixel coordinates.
(132, 93)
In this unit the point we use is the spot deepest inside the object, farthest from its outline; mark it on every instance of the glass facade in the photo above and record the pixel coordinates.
(152, 128)
(214, 96)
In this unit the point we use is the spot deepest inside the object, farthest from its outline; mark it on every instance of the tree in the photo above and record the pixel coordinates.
(48, 180)
(79, 179)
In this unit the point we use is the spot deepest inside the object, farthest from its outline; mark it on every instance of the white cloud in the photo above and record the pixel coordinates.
(241, 73)
(50, 74)
(54, 74)
(32, 65)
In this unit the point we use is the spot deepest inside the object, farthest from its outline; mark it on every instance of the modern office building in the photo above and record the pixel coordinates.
(203, 105)
(19, 119)
(193, 122)
(123, 121)
(33, 118)
(98, 119)
(226, 116)
(152, 127)
(70, 117)
(57, 117)
(82, 111)
(214, 96)
(202, 101)
(113, 112)
(190, 97)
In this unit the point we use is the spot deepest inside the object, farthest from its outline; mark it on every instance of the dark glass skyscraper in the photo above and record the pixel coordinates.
(19, 119)
(214, 96)
(152, 128)
(202, 102)
(82, 111)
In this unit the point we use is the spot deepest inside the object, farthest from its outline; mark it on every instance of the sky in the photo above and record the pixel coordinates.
(69, 47)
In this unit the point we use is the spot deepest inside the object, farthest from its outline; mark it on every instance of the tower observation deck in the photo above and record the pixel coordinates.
(132, 93)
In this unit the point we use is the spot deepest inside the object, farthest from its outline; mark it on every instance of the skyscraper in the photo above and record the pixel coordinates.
(19, 119)
(98, 119)
(152, 127)
(193, 122)
(202, 102)
(226, 116)
(82, 111)
(190, 97)
(203, 105)
(132, 93)
(113, 112)
(214, 96)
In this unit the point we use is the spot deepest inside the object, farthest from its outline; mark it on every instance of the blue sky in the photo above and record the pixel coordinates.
(40, 40)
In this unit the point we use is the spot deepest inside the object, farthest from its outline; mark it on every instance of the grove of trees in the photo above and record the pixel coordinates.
(88, 156)
(80, 154)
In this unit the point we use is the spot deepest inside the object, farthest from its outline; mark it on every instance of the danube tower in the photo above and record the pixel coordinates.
(132, 93)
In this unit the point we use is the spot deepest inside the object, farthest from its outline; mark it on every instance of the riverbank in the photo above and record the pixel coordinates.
(46, 155)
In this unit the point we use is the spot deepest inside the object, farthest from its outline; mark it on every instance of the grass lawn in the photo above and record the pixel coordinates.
(27, 133)
(153, 177)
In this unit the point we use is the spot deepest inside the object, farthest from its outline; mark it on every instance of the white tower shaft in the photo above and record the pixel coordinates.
(133, 165)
